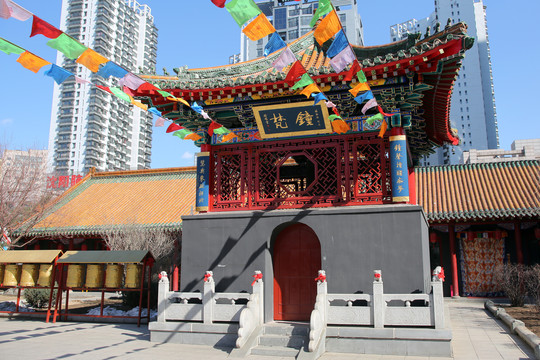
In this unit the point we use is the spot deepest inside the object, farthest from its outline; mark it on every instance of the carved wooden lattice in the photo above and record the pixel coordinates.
(317, 172)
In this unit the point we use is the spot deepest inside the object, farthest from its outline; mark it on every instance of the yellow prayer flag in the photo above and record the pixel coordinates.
(360, 87)
(91, 60)
(327, 28)
(31, 61)
(259, 28)
(310, 89)
(139, 104)
(339, 126)
(229, 137)
(384, 127)
(178, 100)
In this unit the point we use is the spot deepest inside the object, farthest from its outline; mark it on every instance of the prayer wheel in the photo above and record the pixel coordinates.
(133, 275)
(114, 275)
(29, 274)
(2, 270)
(12, 275)
(75, 276)
(45, 275)
(94, 276)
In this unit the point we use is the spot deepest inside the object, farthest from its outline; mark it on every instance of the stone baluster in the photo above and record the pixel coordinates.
(163, 288)
(208, 298)
(379, 304)
(438, 300)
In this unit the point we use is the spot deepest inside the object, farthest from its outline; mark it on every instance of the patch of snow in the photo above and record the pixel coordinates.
(111, 311)
(12, 306)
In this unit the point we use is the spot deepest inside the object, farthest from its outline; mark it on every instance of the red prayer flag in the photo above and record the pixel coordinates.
(44, 28)
(104, 88)
(213, 126)
(147, 87)
(173, 127)
(382, 112)
(219, 3)
(295, 71)
(355, 67)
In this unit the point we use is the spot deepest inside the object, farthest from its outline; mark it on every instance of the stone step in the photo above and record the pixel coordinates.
(292, 341)
(287, 329)
(275, 351)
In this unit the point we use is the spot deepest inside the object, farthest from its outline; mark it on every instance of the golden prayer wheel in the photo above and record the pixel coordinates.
(114, 275)
(29, 274)
(2, 270)
(94, 276)
(12, 275)
(75, 276)
(45, 275)
(133, 275)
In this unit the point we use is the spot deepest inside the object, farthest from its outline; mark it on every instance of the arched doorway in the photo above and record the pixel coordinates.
(297, 258)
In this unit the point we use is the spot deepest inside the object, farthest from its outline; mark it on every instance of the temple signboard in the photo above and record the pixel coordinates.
(297, 119)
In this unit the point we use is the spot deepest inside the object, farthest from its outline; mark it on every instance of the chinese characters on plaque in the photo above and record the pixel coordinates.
(400, 171)
(286, 120)
(62, 181)
(203, 181)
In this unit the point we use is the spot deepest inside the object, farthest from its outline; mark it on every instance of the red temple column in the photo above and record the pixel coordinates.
(517, 236)
(453, 260)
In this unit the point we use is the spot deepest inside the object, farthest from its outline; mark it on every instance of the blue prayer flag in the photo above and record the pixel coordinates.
(111, 68)
(154, 111)
(274, 44)
(368, 95)
(58, 74)
(318, 97)
(340, 42)
(197, 107)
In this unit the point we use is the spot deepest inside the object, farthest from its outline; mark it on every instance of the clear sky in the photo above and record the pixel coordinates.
(198, 34)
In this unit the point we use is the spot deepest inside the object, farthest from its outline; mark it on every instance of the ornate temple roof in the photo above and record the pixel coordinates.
(480, 192)
(410, 75)
(155, 199)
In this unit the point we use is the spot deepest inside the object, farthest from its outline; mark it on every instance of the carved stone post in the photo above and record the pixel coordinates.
(378, 305)
(163, 288)
(258, 290)
(438, 300)
(208, 298)
(322, 291)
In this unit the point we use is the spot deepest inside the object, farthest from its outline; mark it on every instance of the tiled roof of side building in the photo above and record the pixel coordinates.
(480, 192)
(104, 201)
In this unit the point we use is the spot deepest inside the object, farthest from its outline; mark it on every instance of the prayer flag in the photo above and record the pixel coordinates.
(327, 28)
(79, 80)
(339, 126)
(120, 94)
(338, 45)
(10, 48)
(334, 117)
(221, 130)
(68, 46)
(58, 74)
(382, 112)
(372, 119)
(160, 122)
(228, 137)
(325, 6)
(173, 98)
(370, 104)
(148, 87)
(341, 60)
(258, 28)
(31, 61)
(105, 88)
(181, 133)
(91, 60)
(304, 81)
(139, 104)
(111, 68)
(294, 72)
(363, 97)
(193, 136)
(154, 111)
(173, 127)
(165, 94)
(44, 28)
(355, 67)
(284, 59)
(274, 44)
(197, 107)
(213, 126)
(205, 115)
(242, 10)
(360, 87)
(10, 9)
(318, 98)
(384, 127)
(310, 89)
(219, 3)
(330, 104)
(131, 81)
(361, 76)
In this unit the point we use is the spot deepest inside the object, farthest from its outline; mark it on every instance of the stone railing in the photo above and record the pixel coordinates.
(377, 310)
(252, 317)
(208, 307)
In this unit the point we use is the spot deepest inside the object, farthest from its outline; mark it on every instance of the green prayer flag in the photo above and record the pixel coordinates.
(182, 133)
(305, 80)
(372, 119)
(165, 93)
(325, 6)
(222, 131)
(334, 117)
(67, 46)
(361, 76)
(120, 94)
(9, 48)
(242, 10)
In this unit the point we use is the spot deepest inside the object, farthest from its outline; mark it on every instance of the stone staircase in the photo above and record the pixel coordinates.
(282, 339)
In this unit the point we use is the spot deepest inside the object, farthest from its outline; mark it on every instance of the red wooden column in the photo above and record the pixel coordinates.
(517, 236)
(453, 259)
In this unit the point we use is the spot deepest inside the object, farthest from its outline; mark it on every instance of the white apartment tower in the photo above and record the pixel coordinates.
(89, 127)
(291, 20)
(472, 113)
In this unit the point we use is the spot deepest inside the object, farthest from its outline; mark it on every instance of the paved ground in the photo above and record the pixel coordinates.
(477, 335)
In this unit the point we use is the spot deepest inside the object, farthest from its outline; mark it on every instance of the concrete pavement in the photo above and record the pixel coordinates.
(476, 335)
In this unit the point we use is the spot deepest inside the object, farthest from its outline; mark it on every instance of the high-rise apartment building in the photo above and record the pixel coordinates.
(89, 127)
(291, 20)
(472, 114)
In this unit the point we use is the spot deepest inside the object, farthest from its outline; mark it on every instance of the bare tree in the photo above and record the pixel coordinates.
(23, 193)
(533, 284)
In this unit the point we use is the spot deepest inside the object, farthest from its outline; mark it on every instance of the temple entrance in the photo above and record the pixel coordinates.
(297, 259)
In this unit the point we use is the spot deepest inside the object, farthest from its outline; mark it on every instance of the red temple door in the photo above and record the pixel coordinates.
(297, 259)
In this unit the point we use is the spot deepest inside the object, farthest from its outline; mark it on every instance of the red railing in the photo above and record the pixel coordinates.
(310, 172)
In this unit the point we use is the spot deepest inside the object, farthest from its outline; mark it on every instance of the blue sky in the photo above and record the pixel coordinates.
(198, 34)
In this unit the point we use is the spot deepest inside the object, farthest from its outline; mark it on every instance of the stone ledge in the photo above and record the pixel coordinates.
(516, 327)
